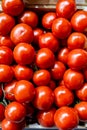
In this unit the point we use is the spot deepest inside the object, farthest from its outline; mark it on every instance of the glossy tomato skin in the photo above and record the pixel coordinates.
(21, 33)
(63, 96)
(48, 40)
(2, 110)
(24, 91)
(12, 7)
(46, 118)
(66, 118)
(78, 19)
(77, 59)
(65, 8)
(24, 53)
(73, 80)
(41, 77)
(44, 98)
(61, 28)
(6, 23)
(15, 112)
(48, 19)
(45, 58)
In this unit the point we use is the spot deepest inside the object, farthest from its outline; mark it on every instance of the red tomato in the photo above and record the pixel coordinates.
(48, 19)
(29, 17)
(12, 7)
(77, 59)
(15, 112)
(66, 118)
(44, 98)
(48, 40)
(61, 28)
(41, 77)
(24, 53)
(24, 91)
(6, 23)
(65, 8)
(58, 70)
(2, 110)
(46, 118)
(1, 91)
(52, 84)
(29, 110)
(73, 80)
(21, 33)
(63, 96)
(85, 73)
(45, 58)
(79, 21)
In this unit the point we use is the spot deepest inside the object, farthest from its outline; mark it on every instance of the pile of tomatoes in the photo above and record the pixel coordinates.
(43, 66)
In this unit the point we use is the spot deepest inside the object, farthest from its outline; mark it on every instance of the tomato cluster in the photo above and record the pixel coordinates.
(43, 66)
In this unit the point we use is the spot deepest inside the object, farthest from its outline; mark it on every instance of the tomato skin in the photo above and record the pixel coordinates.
(61, 28)
(66, 118)
(6, 23)
(24, 53)
(48, 19)
(46, 118)
(52, 84)
(41, 77)
(24, 91)
(65, 8)
(44, 98)
(43, 57)
(2, 110)
(21, 33)
(63, 96)
(15, 112)
(12, 7)
(48, 40)
(85, 73)
(73, 80)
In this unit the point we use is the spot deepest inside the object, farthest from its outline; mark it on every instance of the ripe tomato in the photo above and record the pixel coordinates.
(29, 17)
(52, 84)
(48, 19)
(44, 98)
(45, 58)
(21, 33)
(12, 7)
(48, 40)
(24, 53)
(15, 112)
(1, 91)
(85, 73)
(66, 118)
(61, 28)
(41, 77)
(24, 91)
(2, 110)
(46, 118)
(6, 23)
(73, 80)
(63, 96)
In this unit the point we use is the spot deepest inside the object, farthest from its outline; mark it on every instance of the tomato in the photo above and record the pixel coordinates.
(48, 40)
(24, 53)
(61, 28)
(73, 80)
(29, 17)
(77, 59)
(15, 112)
(78, 19)
(1, 91)
(52, 84)
(41, 77)
(66, 118)
(81, 108)
(48, 19)
(58, 70)
(23, 72)
(65, 8)
(85, 73)
(12, 7)
(46, 118)
(63, 96)
(44, 98)
(21, 33)
(24, 91)
(45, 58)
(2, 110)
(6, 73)
(6, 23)
(29, 109)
